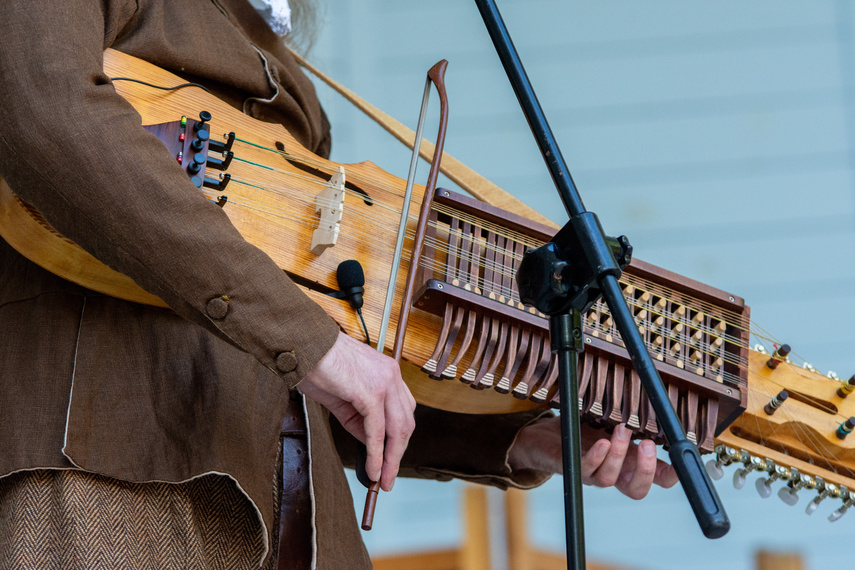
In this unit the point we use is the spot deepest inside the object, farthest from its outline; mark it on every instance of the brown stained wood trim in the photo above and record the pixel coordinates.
(491, 213)
(545, 233)
(683, 284)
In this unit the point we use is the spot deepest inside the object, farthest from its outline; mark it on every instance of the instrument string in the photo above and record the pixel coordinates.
(503, 265)
(375, 182)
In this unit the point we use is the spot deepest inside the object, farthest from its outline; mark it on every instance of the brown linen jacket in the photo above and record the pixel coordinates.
(146, 394)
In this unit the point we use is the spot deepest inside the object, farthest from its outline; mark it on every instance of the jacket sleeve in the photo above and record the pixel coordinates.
(446, 445)
(75, 149)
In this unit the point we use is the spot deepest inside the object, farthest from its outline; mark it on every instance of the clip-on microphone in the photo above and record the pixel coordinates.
(351, 281)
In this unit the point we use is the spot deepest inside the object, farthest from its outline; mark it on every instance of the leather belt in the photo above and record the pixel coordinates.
(295, 500)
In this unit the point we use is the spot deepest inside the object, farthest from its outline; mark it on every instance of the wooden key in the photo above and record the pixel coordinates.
(614, 395)
(471, 324)
(429, 367)
(514, 354)
(442, 361)
(540, 354)
(487, 324)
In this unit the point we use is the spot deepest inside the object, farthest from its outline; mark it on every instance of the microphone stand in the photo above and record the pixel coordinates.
(565, 277)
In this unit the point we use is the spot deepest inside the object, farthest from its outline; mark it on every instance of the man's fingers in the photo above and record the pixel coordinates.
(635, 481)
(607, 473)
(399, 428)
(375, 436)
(666, 475)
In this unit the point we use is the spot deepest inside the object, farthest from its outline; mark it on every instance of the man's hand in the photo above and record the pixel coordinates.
(365, 391)
(616, 461)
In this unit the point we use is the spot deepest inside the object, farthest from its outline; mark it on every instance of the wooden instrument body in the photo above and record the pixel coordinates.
(697, 334)
(272, 203)
(279, 220)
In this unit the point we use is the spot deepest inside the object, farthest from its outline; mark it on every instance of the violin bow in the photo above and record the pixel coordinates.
(462, 175)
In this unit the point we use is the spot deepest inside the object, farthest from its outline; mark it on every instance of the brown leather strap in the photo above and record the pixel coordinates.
(295, 510)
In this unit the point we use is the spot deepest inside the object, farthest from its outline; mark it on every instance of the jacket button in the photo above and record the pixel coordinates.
(286, 361)
(218, 307)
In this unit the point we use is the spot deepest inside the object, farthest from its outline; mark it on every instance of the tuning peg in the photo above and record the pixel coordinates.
(764, 484)
(780, 355)
(813, 504)
(714, 469)
(204, 117)
(847, 387)
(845, 428)
(739, 478)
(776, 402)
(764, 487)
(827, 489)
(836, 515)
(751, 464)
(788, 495)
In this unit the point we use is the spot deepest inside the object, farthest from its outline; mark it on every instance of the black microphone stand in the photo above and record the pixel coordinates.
(564, 278)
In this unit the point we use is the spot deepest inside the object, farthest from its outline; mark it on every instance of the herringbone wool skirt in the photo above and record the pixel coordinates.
(58, 520)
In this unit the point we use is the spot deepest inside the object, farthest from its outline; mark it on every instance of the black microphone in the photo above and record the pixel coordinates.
(351, 280)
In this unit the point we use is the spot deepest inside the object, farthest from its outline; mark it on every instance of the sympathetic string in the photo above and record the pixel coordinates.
(466, 256)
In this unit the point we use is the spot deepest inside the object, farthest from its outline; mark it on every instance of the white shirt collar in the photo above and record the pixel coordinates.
(278, 15)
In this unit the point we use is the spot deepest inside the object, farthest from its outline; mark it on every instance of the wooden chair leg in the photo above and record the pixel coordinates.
(779, 561)
(475, 550)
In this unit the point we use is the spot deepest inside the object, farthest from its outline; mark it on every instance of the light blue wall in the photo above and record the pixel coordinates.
(717, 136)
